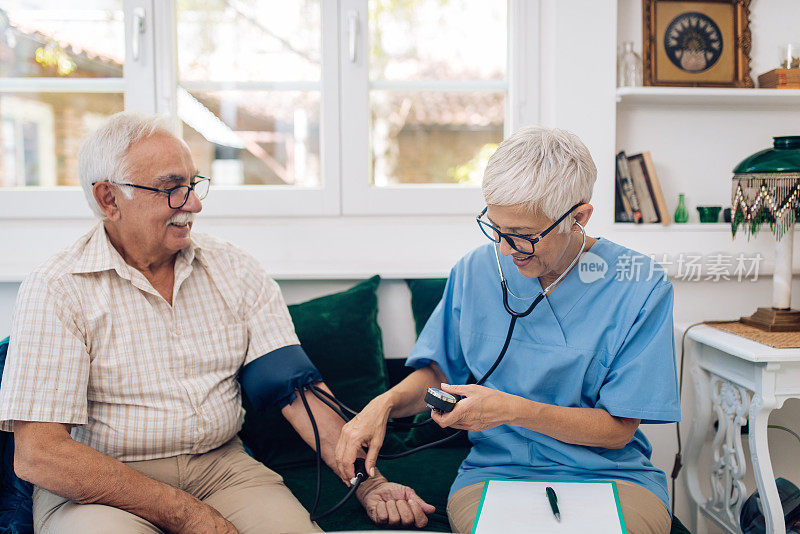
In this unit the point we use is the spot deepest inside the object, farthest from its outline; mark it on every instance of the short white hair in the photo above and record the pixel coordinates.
(546, 169)
(102, 155)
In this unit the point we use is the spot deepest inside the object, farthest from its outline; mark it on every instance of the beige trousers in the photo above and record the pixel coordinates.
(243, 490)
(644, 513)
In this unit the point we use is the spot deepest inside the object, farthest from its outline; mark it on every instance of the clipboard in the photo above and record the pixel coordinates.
(520, 506)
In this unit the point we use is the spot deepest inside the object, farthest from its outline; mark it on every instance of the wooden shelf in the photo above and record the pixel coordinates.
(672, 227)
(722, 227)
(708, 96)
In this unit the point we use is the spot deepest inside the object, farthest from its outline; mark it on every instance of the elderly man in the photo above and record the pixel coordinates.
(120, 384)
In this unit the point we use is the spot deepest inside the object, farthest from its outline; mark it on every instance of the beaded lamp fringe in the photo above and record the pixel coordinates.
(762, 198)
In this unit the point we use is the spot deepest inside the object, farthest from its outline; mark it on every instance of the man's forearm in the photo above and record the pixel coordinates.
(83, 475)
(590, 427)
(329, 424)
(407, 398)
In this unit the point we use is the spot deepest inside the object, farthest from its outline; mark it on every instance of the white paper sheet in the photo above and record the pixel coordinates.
(521, 506)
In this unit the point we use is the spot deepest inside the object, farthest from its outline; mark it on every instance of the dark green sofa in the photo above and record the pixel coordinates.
(341, 335)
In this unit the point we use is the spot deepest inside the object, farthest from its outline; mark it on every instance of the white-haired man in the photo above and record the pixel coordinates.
(590, 358)
(120, 383)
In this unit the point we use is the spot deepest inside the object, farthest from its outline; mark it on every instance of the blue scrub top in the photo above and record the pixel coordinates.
(600, 340)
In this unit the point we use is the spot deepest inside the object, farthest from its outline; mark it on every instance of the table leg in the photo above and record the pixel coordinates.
(760, 409)
(700, 425)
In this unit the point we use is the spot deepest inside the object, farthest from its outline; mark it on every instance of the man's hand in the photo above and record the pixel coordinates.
(48, 457)
(203, 519)
(480, 409)
(388, 503)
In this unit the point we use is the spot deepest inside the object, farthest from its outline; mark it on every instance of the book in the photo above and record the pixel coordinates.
(622, 208)
(640, 186)
(626, 186)
(521, 506)
(642, 168)
(655, 188)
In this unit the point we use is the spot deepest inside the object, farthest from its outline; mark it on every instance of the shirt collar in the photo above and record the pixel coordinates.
(193, 252)
(100, 255)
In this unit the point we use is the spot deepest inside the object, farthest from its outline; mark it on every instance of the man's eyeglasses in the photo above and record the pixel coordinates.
(176, 196)
(521, 243)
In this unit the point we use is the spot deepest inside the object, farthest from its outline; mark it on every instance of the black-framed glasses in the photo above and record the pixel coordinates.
(176, 196)
(520, 243)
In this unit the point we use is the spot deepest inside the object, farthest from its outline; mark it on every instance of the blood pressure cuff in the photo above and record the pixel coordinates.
(274, 377)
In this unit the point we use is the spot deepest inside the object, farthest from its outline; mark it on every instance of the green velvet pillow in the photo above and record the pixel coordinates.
(425, 295)
(340, 334)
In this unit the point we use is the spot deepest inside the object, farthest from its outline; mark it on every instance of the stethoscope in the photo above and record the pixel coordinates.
(517, 315)
(545, 291)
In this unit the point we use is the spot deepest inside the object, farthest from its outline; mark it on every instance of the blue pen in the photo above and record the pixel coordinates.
(551, 497)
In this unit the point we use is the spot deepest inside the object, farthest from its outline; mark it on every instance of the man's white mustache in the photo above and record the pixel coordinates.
(181, 218)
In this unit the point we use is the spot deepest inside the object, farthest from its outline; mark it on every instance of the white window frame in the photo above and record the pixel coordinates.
(137, 83)
(359, 197)
(149, 84)
(288, 200)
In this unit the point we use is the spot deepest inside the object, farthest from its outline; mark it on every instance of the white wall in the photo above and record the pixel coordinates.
(8, 295)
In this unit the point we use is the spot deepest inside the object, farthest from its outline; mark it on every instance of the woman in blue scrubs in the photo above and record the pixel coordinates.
(592, 361)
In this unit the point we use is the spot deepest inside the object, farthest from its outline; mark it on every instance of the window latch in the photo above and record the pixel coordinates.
(352, 29)
(138, 31)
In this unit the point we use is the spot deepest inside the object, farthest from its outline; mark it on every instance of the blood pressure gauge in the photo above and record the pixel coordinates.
(439, 400)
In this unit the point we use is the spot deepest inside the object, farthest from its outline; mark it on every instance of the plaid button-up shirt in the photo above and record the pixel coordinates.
(94, 345)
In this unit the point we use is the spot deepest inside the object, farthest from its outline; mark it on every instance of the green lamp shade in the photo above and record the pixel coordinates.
(784, 156)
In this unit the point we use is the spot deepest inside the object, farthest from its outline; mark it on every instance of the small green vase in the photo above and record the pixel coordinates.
(681, 213)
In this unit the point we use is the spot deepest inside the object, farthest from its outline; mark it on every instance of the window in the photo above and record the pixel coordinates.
(58, 68)
(301, 107)
(250, 90)
(438, 85)
(435, 76)
(257, 98)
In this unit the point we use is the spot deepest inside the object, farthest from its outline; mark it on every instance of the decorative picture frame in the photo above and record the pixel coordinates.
(696, 43)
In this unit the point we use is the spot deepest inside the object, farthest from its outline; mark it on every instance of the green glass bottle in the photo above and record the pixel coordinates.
(681, 213)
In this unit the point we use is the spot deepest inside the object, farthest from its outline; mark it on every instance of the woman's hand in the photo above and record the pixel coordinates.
(367, 429)
(480, 409)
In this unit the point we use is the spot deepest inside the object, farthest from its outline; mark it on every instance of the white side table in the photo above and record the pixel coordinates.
(735, 379)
